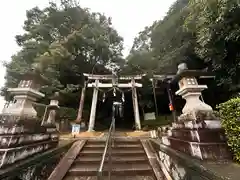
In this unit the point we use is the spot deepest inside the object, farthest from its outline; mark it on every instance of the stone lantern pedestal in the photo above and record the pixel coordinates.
(21, 132)
(197, 131)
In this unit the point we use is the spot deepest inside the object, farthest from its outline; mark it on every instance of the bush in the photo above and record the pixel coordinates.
(160, 121)
(230, 117)
(62, 113)
(67, 113)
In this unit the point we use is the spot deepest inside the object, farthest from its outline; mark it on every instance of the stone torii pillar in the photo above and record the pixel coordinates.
(135, 106)
(81, 104)
(94, 106)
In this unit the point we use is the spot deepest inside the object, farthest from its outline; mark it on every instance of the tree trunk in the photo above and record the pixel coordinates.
(81, 103)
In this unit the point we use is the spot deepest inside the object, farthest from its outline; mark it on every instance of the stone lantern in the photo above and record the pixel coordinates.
(21, 132)
(53, 106)
(25, 94)
(190, 90)
(197, 131)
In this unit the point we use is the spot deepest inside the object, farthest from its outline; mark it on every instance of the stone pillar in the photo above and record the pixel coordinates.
(197, 131)
(135, 106)
(93, 107)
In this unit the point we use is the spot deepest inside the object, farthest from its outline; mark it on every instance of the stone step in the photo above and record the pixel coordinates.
(129, 162)
(113, 155)
(115, 160)
(120, 170)
(112, 177)
(116, 145)
(116, 141)
(115, 148)
(89, 153)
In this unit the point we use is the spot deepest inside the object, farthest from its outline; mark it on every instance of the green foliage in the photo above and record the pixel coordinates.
(64, 41)
(62, 113)
(216, 25)
(230, 116)
(160, 121)
(160, 47)
(204, 34)
(67, 113)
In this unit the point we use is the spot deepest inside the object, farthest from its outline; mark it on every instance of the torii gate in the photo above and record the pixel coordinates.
(97, 84)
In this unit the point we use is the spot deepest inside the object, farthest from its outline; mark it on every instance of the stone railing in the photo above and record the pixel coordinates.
(178, 166)
(38, 167)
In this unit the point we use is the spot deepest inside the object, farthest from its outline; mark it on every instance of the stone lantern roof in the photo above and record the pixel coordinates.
(191, 73)
(183, 71)
(35, 76)
(54, 100)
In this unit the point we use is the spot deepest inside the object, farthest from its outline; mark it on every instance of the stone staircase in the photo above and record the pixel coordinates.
(129, 161)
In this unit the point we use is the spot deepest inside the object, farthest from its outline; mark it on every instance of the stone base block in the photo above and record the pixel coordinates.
(201, 150)
(22, 137)
(199, 135)
(9, 156)
(20, 125)
(197, 124)
(12, 141)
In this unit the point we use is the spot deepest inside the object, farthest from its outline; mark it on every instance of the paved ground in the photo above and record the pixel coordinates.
(226, 169)
(94, 135)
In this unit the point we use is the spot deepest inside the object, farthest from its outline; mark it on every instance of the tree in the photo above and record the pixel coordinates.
(166, 43)
(63, 41)
(141, 59)
(217, 25)
(203, 34)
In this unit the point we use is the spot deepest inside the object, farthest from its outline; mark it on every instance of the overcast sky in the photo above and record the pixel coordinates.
(128, 17)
